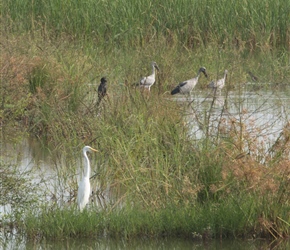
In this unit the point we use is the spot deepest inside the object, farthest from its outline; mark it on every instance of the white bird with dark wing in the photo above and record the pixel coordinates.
(148, 81)
(219, 84)
(187, 86)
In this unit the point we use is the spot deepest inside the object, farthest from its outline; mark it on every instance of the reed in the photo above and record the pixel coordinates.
(166, 182)
(169, 185)
(17, 194)
(234, 217)
(40, 82)
(256, 25)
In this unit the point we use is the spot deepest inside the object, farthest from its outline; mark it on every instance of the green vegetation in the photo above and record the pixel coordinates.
(17, 191)
(162, 181)
(256, 24)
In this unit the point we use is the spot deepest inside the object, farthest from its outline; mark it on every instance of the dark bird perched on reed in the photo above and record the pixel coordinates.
(187, 86)
(102, 90)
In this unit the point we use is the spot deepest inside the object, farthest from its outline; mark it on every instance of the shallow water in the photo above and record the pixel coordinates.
(12, 243)
(264, 113)
(260, 115)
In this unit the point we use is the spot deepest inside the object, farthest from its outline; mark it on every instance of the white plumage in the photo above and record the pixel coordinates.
(84, 189)
(148, 81)
(219, 84)
(187, 86)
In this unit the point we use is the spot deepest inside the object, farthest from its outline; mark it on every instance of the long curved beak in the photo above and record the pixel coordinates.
(156, 67)
(205, 74)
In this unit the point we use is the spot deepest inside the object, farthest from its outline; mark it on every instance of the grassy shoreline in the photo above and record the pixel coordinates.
(172, 185)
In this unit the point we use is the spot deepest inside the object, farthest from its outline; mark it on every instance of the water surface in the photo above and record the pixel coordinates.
(264, 114)
(143, 244)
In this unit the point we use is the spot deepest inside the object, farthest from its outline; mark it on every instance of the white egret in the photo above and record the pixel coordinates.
(85, 186)
(148, 81)
(187, 86)
(219, 84)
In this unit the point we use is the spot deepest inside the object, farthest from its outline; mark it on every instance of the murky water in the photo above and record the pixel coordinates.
(12, 243)
(266, 110)
(263, 113)
(257, 117)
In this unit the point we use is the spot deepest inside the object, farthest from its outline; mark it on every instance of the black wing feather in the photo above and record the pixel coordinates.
(176, 90)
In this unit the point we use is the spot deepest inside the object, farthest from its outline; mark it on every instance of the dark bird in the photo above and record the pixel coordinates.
(187, 86)
(102, 90)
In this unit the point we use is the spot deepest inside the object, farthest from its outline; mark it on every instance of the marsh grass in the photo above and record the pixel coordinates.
(59, 81)
(236, 217)
(37, 79)
(165, 181)
(17, 193)
(223, 221)
(170, 185)
(256, 25)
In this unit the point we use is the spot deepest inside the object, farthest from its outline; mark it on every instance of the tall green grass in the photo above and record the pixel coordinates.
(17, 193)
(255, 24)
(228, 219)
(234, 217)
(167, 183)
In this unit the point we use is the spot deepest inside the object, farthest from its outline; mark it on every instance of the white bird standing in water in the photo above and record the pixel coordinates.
(85, 186)
(148, 81)
(219, 84)
(187, 86)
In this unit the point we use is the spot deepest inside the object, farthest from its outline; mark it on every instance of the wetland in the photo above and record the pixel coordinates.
(199, 169)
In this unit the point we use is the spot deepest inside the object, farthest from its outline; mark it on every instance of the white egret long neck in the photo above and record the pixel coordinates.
(87, 166)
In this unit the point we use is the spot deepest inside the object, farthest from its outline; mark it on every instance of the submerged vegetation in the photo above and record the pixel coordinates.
(162, 179)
